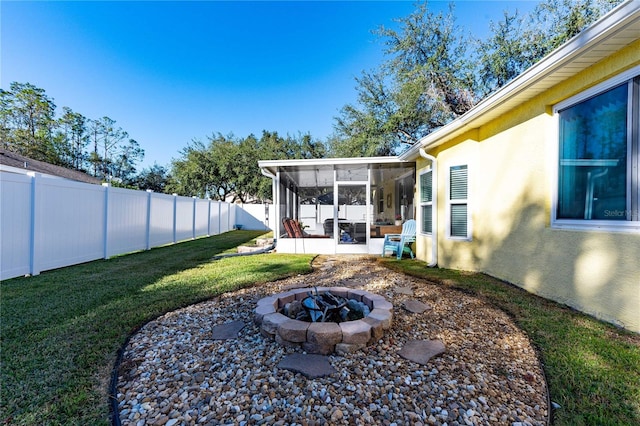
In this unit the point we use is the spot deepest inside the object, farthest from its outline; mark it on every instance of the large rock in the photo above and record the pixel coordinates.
(310, 365)
(421, 351)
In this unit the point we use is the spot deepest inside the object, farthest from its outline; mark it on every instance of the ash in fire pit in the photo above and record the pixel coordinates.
(325, 307)
(324, 319)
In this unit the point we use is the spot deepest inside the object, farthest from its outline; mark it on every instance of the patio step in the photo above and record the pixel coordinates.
(260, 244)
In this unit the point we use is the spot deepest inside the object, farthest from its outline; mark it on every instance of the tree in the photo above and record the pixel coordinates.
(431, 76)
(154, 178)
(71, 139)
(516, 42)
(28, 125)
(191, 173)
(28, 121)
(123, 165)
(225, 168)
(425, 83)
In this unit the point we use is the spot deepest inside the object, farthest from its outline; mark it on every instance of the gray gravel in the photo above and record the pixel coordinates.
(174, 373)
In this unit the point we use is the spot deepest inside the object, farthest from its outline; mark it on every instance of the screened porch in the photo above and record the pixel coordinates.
(339, 205)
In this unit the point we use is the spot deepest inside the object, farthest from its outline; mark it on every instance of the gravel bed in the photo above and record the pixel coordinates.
(173, 372)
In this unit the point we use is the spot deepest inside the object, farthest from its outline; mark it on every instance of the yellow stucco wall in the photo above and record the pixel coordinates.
(510, 190)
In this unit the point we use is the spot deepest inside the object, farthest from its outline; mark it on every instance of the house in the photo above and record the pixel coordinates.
(539, 184)
(15, 163)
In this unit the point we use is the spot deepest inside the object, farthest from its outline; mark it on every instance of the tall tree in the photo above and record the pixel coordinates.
(125, 159)
(431, 74)
(425, 83)
(71, 139)
(517, 42)
(30, 121)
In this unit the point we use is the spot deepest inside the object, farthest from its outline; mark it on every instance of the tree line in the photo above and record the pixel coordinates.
(29, 126)
(434, 71)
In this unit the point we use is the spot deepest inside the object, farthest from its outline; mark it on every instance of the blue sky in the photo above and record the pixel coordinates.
(171, 72)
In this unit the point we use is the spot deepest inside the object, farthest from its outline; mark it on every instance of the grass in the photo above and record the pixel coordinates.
(592, 368)
(61, 330)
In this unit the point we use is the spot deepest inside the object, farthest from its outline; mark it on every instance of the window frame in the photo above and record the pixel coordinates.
(426, 203)
(630, 77)
(461, 201)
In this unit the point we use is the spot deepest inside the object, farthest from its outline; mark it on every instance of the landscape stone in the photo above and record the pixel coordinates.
(318, 348)
(404, 290)
(328, 333)
(377, 331)
(355, 331)
(382, 304)
(310, 365)
(293, 330)
(285, 343)
(421, 351)
(227, 330)
(261, 311)
(349, 348)
(416, 306)
(382, 315)
(271, 322)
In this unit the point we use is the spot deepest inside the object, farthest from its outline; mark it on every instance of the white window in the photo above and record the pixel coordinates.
(597, 185)
(458, 203)
(426, 201)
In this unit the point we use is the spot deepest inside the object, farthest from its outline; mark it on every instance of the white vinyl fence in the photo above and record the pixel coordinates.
(48, 222)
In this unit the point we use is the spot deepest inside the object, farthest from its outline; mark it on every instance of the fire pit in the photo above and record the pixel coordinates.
(322, 320)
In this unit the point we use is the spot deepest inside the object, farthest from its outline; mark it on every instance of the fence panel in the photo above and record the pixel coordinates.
(201, 220)
(224, 218)
(161, 220)
(126, 220)
(214, 218)
(184, 218)
(252, 216)
(69, 225)
(15, 225)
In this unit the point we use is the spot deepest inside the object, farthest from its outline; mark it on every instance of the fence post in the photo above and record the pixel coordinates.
(105, 228)
(148, 230)
(193, 222)
(34, 268)
(175, 217)
(208, 217)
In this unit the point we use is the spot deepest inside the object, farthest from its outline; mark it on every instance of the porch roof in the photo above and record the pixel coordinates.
(318, 172)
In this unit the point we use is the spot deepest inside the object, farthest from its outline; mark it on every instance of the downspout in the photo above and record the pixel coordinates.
(434, 207)
(276, 210)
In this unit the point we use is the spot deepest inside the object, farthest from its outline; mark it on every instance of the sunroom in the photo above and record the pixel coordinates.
(341, 205)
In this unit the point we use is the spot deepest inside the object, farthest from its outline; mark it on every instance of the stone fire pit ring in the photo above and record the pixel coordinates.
(323, 337)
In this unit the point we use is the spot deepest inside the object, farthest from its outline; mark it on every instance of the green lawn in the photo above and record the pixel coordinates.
(61, 330)
(592, 368)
